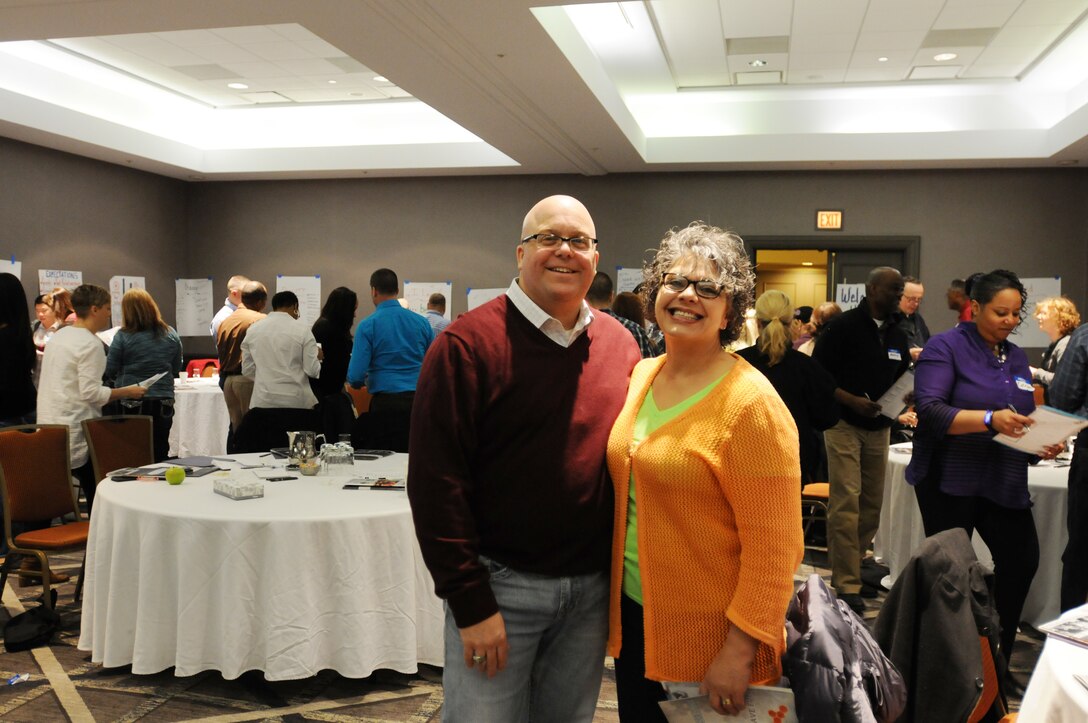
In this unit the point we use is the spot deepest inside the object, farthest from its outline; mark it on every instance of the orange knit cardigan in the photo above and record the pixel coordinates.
(719, 522)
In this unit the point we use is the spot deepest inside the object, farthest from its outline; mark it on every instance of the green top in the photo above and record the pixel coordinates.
(649, 419)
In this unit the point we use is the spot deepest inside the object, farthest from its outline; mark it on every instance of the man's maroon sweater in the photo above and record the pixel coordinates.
(507, 451)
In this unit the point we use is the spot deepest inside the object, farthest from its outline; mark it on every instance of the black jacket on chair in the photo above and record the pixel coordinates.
(930, 626)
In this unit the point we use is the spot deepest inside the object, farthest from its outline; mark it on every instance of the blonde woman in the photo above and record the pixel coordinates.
(807, 390)
(1057, 317)
(704, 463)
(145, 346)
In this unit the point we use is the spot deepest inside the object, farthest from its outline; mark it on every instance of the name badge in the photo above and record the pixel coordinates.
(1023, 384)
(894, 355)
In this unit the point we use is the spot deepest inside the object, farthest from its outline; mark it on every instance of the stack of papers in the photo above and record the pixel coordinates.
(1052, 426)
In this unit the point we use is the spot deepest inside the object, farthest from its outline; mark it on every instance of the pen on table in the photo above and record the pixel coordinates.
(267, 454)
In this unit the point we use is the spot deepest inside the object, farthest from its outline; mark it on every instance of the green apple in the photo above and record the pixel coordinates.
(175, 475)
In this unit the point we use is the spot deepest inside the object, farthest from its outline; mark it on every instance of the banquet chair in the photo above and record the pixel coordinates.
(35, 481)
(360, 399)
(115, 442)
(120, 441)
(1038, 392)
(201, 367)
(814, 503)
(940, 628)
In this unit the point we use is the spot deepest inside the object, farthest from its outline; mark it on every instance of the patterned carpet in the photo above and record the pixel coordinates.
(64, 685)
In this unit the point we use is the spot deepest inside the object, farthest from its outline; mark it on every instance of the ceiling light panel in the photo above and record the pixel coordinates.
(964, 56)
(934, 72)
(743, 63)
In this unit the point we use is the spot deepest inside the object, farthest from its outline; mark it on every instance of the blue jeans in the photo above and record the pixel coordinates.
(557, 628)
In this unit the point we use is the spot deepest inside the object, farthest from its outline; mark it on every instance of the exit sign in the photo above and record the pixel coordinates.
(829, 220)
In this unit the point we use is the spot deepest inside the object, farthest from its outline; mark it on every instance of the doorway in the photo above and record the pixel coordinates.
(784, 260)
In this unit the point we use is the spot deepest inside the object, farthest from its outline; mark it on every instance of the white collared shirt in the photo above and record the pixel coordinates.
(70, 388)
(223, 313)
(279, 353)
(552, 327)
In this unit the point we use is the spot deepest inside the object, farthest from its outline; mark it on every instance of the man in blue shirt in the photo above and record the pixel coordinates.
(387, 356)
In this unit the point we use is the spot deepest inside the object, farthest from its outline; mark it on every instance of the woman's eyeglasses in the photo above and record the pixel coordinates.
(703, 287)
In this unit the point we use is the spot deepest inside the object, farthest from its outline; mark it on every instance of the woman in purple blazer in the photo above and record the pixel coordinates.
(971, 383)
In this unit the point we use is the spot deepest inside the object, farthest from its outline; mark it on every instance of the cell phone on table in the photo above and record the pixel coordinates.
(124, 478)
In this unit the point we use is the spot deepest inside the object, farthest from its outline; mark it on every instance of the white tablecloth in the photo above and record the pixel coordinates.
(1053, 695)
(307, 578)
(901, 530)
(200, 419)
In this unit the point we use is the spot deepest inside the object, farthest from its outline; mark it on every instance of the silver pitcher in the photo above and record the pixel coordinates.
(302, 446)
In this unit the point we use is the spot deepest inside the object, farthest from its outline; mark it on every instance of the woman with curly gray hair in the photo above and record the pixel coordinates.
(704, 461)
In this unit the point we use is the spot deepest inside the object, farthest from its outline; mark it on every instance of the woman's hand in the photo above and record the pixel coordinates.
(1006, 421)
(1052, 451)
(909, 418)
(726, 680)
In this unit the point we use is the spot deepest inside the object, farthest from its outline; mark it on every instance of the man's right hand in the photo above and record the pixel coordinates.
(865, 407)
(486, 638)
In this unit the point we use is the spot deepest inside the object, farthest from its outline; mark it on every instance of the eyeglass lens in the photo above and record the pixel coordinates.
(703, 287)
(549, 240)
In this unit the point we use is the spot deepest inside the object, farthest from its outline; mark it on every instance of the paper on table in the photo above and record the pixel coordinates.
(891, 403)
(1051, 427)
(1072, 626)
(151, 380)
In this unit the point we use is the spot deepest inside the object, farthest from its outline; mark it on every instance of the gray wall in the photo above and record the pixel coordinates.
(465, 229)
(62, 211)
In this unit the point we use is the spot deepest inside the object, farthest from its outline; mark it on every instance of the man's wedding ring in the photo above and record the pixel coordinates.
(479, 659)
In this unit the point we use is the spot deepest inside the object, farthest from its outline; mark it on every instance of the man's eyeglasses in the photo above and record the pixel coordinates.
(703, 287)
(913, 299)
(551, 240)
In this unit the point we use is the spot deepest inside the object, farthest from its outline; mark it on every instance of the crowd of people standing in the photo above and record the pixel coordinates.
(591, 471)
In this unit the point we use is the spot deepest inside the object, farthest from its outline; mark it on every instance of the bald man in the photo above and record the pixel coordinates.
(507, 481)
(230, 304)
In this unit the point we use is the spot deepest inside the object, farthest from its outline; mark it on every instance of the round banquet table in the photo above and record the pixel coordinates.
(309, 577)
(1053, 694)
(901, 530)
(200, 419)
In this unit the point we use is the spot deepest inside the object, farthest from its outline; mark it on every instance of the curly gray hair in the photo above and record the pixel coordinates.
(724, 250)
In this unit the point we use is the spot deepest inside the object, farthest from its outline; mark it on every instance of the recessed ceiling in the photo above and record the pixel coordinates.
(230, 67)
(512, 86)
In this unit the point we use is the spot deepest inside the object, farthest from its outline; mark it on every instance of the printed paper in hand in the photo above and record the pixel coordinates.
(891, 403)
(1051, 427)
(763, 704)
(151, 380)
